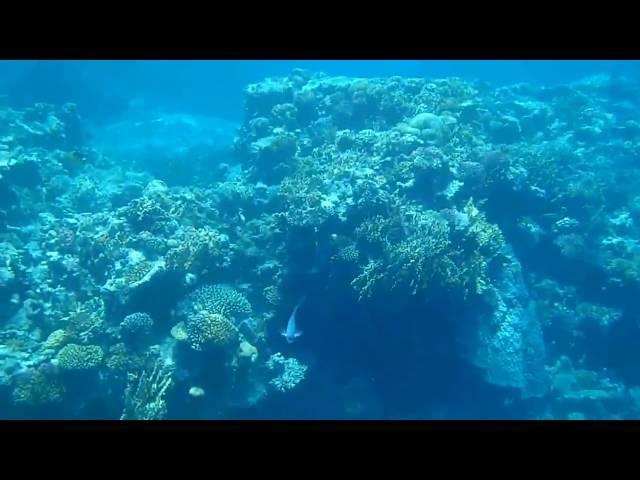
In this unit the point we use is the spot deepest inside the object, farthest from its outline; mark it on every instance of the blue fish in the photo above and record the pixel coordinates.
(292, 332)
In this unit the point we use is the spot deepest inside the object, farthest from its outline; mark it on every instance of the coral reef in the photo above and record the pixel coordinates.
(39, 386)
(416, 222)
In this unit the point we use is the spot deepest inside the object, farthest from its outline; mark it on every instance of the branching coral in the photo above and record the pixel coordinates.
(289, 372)
(487, 238)
(414, 261)
(371, 275)
(197, 250)
(86, 321)
(144, 396)
(400, 187)
(145, 213)
(39, 386)
(410, 263)
(375, 230)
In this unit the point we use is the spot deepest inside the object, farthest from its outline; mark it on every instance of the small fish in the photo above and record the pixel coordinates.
(292, 332)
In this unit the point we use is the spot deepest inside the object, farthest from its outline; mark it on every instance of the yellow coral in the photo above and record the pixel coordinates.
(56, 340)
(210, 328)
(137, 272)
(80, 357)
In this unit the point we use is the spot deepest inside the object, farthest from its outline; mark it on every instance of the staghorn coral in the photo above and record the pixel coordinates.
(415, 251)
(375, 230)
(565, 312)
(372, 274)
(144, 395)
(414, 261)
(487, 238)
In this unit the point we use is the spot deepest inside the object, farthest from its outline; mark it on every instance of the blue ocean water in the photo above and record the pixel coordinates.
(319, 239)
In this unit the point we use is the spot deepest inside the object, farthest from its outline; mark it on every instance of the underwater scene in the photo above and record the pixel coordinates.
(351, 240)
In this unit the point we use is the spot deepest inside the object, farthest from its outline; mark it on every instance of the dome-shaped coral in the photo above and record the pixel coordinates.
(80, 357)
(55, 340)
(136, 324)
(210, 328)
